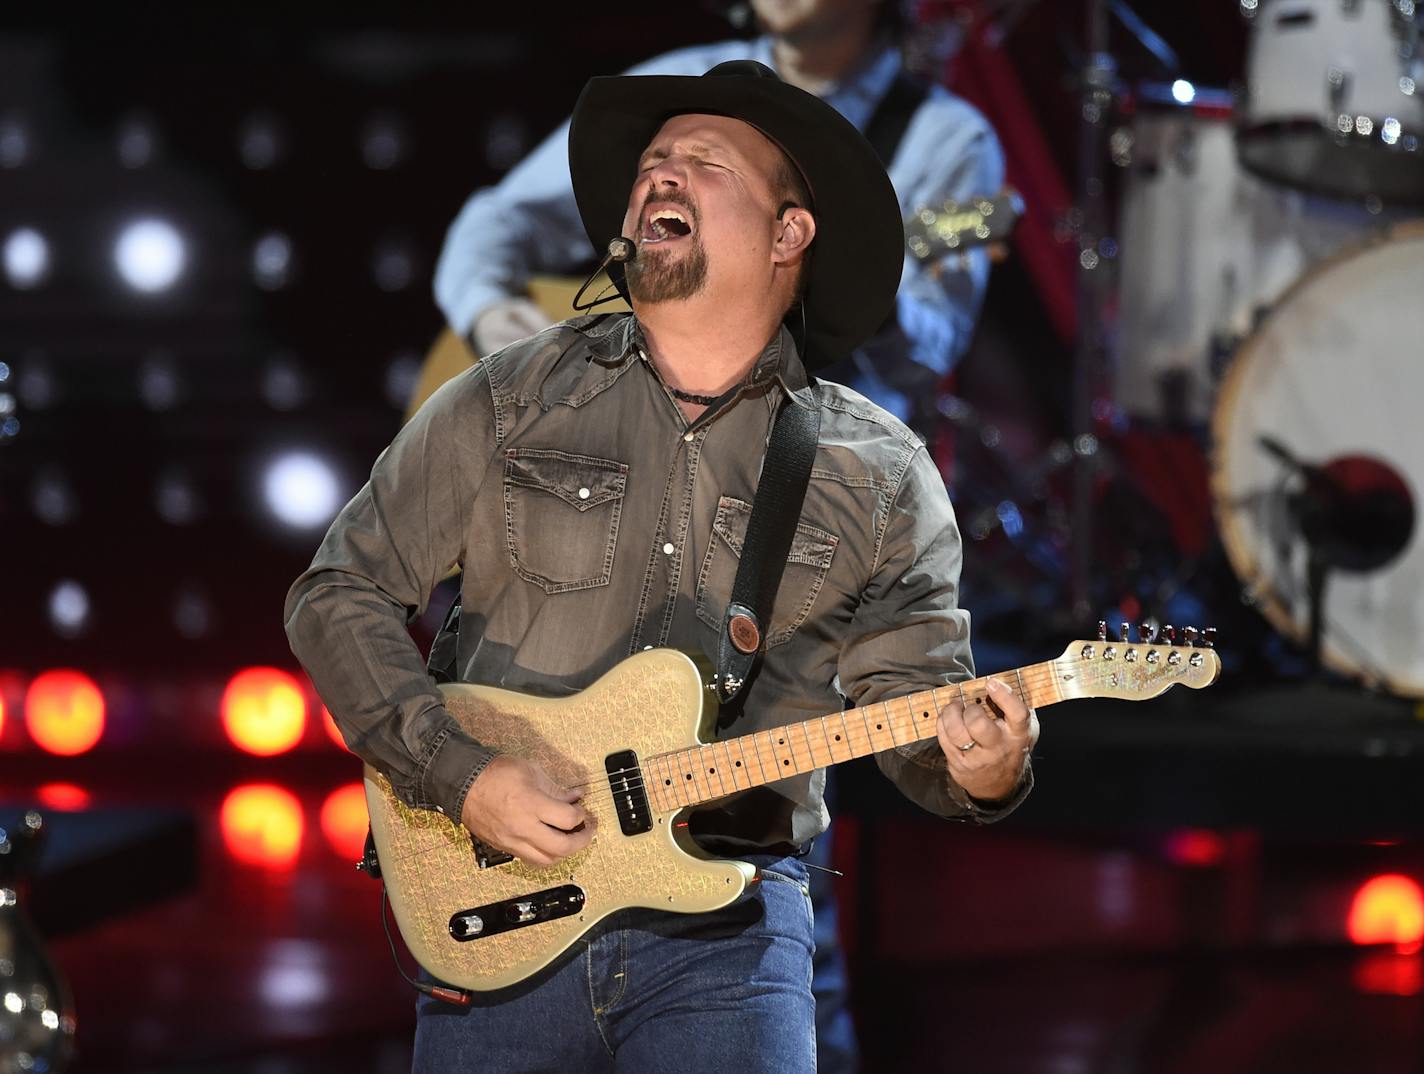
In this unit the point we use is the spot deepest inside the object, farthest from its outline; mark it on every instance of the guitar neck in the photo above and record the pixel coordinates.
(704, 773)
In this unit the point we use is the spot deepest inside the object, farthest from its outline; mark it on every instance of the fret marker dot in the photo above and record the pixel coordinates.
(838, 738)
(689, 775)
(739, 764)
(878, 727)
(786, 762)
(711, 771)
(668, 782)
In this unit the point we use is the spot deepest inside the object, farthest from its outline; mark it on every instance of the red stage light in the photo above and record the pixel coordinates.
(332, 731)
(64, 797)
(1195, 846)
(262, 825)
(1388, 909)
(344, 820)
(64, 712)
(264, 711)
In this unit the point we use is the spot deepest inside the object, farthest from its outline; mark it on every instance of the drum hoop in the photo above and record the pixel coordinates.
(1238, 549)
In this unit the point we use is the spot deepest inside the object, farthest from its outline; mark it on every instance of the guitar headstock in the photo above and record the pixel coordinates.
(1134, 671)
(933, 230)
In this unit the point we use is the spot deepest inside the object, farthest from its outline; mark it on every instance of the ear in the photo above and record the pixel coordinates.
(795, 230)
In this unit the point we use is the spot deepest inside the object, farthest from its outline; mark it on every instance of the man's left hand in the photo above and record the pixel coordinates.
(987, 745)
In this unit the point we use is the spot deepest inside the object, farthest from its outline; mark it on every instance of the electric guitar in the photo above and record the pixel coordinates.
(930, 232)
(635, 743)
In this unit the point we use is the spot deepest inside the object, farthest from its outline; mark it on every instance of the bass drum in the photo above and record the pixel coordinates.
(1319, 428)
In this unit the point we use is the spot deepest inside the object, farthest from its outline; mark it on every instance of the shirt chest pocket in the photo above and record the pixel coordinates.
(806, 565)
(561, 516)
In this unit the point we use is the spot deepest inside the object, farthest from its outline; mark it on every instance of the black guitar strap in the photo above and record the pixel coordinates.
(892, 116)
(776, 508)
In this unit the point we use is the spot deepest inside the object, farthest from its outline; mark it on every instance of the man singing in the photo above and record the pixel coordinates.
(594, 482)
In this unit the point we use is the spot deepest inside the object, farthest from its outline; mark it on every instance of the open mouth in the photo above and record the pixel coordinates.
(664, 225)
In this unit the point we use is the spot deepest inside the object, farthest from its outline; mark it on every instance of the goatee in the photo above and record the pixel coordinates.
(656, 276)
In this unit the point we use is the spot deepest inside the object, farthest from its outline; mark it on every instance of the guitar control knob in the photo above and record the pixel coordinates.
(470, 925)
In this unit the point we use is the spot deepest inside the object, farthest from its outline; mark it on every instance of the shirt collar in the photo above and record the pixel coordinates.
(618, 338)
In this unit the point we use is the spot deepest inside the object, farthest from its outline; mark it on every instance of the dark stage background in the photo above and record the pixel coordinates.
(219, 233)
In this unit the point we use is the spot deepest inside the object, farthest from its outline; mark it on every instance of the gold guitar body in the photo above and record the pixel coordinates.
(652, 703)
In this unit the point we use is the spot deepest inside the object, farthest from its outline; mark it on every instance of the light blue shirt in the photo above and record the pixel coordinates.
(529, 223)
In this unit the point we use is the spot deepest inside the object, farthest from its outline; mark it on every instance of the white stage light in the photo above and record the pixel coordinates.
(26, 258)
(68, 609)
(272, 261)
(1183, 92)
(150, 255)
(14, 142)
(301, 491)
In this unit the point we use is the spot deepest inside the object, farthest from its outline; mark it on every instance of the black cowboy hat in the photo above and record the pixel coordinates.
(858, 252)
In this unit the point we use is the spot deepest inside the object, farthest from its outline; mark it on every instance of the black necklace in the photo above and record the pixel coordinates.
(689, 397)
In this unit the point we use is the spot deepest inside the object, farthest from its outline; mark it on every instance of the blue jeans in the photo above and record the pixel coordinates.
(650, 991)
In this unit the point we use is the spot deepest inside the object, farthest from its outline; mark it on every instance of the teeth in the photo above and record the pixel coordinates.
(668, 214)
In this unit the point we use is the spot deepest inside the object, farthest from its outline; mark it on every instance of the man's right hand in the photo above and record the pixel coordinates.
(515, 807)
(501, 323)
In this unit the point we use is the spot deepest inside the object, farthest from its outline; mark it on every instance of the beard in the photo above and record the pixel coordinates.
(656, 276)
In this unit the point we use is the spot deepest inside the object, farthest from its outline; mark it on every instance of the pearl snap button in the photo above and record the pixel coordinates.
(688, 437)
(583, 494)
(667, 548)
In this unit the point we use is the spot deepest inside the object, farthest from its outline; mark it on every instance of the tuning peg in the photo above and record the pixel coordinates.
(1144, 633)
(1122, 632)
(1102, 630)
(1209, 638)
(1189, 635)
(1169, 634)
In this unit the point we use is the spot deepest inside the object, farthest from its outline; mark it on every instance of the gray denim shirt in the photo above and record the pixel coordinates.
(592, 520)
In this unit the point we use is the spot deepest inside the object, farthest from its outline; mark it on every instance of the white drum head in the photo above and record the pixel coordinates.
(1335, 376)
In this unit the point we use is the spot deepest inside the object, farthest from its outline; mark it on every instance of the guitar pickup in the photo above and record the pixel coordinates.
(630, 800)
(509, 914)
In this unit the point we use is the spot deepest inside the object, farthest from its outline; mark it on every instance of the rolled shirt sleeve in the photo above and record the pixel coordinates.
(909, 633)
(347, 615)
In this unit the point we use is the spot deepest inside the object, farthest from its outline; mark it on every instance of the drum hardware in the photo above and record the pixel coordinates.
(1345, 528)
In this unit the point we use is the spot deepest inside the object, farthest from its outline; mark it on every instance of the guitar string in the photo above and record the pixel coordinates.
(1038, 676)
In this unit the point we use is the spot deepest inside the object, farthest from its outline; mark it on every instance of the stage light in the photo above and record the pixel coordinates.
(301, 491)
(53, 498)
(35, 384)
(401, 377)
(383, 141)
(264, 711)
(192, 614)
(26, 258)
(284, 385)
(262, 825)
(393, 267)
(344, 821)
(63, 797)
(332, 731)
(68, 609)
(1183, 92)
(64, 712)
(272, 261)
(137, 141)
(175, 498)
(505, 141)
(150, 255)
(1387, 909)
(158, 382)
(14, 143)
(259, 142)
(1195, 847)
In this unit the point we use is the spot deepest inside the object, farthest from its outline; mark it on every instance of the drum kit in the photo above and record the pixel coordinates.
(1272, 267)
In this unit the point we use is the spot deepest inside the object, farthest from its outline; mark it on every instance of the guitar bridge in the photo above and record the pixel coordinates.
(486, 856)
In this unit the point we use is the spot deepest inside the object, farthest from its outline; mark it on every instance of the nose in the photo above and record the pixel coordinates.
(670, 171)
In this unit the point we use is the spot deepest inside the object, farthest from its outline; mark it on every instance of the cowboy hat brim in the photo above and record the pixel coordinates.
(858, 253)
